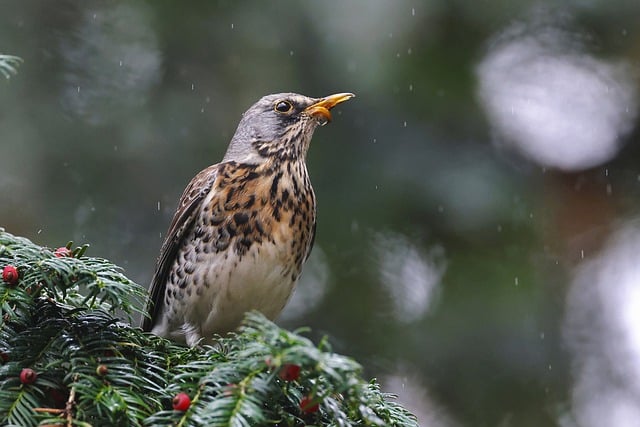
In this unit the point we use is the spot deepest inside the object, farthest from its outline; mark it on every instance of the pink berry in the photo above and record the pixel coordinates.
(181, 402)
(28, 376)
(10, 275)
(63, 252)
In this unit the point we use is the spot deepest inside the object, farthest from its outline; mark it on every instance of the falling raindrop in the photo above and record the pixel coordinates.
(516, 281)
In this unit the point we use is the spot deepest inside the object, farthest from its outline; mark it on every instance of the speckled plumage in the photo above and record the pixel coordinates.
(243, 228)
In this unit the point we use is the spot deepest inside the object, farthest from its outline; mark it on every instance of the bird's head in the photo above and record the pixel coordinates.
(281, 126)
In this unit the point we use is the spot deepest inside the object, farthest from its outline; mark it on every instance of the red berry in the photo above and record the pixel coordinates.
(181, 402)
(289, 372)
(10, 275)
(28, 376)
(308, 406)
(63, 252)
(102, 370)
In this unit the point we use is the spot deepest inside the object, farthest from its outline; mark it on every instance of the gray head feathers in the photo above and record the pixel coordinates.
(276, 125)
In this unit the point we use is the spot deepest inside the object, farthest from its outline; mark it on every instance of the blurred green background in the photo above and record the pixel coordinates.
(478, 249)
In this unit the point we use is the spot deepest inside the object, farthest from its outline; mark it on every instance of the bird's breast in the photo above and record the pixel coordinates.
(253, 236)
(253, 205)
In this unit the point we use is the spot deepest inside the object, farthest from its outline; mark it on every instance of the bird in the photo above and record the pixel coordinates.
(243, 227)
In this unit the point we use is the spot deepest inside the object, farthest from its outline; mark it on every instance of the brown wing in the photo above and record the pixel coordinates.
(182, 222)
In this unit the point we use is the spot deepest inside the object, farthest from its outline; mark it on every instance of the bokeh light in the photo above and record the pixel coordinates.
(602, 329)
(550, 100)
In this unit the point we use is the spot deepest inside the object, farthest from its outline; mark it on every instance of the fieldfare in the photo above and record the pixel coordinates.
(243, 227)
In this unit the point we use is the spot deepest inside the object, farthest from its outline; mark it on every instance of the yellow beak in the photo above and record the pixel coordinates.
(320, 109)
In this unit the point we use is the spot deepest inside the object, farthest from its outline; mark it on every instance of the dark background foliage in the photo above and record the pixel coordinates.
(476, 244)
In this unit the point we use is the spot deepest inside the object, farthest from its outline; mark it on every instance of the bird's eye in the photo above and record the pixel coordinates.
(283, 106)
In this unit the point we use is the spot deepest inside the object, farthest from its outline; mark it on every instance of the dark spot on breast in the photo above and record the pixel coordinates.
(240, 218)
(296, 188)
(217, 216)
(231, 229)
(230, 194)
(182, 284)
(243, 245)
(274, 184)
(252, 175)
(258, 225)
(250, 202)
(189, 268)
(223, 239)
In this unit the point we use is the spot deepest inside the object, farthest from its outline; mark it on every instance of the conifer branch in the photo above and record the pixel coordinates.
(67, 359)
